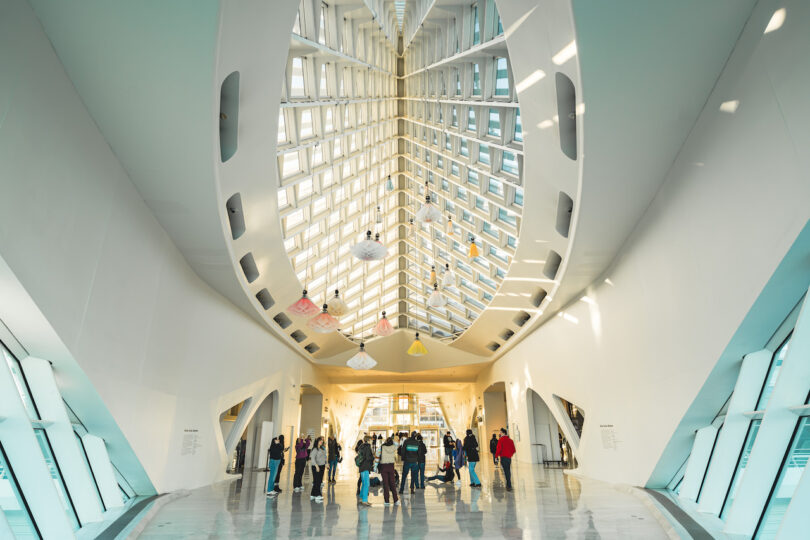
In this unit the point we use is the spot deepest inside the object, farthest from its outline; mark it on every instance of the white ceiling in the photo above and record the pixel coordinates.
(149, 74)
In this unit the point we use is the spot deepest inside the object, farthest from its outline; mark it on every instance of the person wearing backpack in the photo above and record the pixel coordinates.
(459, 460)
(471, 450)
(420, 464)
(387, 471)
(364, 461)
(333, 449)
(410, 459)
(300, 463)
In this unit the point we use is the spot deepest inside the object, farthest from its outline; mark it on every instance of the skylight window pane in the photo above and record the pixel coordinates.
(501, 77)
(306, 124)
(290, 164)
(463, 149)
(476, 27)
(454, 168)
(471, 119)
(518, 196)
(494, 128)
(297, 78)
(495, 187)
(483, 153)
(282, 198)
(472, 177)
(518, 127)
(506, 217)
(282, 128)
(476, 90)
(510, 163)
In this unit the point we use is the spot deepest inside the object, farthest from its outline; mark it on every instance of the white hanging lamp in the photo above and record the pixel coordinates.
(428, 213)
(362, 360)
(336, 306)
(383, 327)
(449, 279)
(369, 249)
(436, 299)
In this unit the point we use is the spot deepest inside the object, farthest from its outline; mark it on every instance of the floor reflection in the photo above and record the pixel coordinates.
(544, 504)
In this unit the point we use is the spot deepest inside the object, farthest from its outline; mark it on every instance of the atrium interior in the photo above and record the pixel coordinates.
(565, 241)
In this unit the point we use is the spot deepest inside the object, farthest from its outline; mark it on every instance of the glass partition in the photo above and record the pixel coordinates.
(19, 381)
(56, 475)
(789, 476)
(13, 504)
(742, 463)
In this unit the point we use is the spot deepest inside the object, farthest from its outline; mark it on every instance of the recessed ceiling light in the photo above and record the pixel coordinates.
(565, 54)
(777, 20)
(730, 106)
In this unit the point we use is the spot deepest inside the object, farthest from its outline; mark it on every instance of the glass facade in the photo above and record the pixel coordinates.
(773, 374)
(19, 381)
(13, 503)
(56, 475)
(789, 476)
(742, 463)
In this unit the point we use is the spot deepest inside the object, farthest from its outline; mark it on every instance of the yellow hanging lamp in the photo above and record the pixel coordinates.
(473, 248)
(432, 278)
(416, 348)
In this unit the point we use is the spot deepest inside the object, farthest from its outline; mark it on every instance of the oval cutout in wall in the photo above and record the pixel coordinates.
(538, 297)
(265, 299)
(565, 207)
(236, 218)
(312, 348)
(249, 268)
(229, 116)
(553, 261)
(567, 115)
(282, 320)
(521, 318)
(298, 336)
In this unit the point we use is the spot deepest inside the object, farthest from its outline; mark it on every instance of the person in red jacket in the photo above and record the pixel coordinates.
(504, 451)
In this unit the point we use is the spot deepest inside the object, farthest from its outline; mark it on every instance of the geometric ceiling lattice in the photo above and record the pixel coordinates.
(358, 146)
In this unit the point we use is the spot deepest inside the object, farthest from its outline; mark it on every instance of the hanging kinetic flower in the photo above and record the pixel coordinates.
(389, 184)
(416, 348)
(450, 230)
(428, 213)
(337, 307)
(473, 248)
(323, 323)
(432, 278)
(303, 307)
(370, 249)
(361, 360)
(436, 299)
(383, 327)
(449, 279)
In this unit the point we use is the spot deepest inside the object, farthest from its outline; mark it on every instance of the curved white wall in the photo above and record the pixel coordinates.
(732, 204)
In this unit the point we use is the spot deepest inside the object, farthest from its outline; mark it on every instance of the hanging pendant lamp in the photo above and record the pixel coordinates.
(436, 299)
(370, 249)
(361, 360)
(449, 279)
(303, 307)
(450, 230)
(432, 278)
(383, 327)
(473, 248)
(428, 213)
(378, 215)
(411, 228)
(323, 323)
(416, 348)
(337, 307)
(389, 184)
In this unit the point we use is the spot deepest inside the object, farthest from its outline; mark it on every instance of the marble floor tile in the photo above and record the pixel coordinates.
(545, 503)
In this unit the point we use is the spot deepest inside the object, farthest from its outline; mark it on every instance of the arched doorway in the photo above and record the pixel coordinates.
(259, 432)
(496, 415)
(544, 432)
(311, 419)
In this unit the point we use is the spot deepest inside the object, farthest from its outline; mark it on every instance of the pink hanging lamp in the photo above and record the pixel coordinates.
(323, 323)
(303, 307)
(383, 327)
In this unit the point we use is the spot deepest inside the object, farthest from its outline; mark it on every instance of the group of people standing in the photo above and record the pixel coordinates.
(319, 453)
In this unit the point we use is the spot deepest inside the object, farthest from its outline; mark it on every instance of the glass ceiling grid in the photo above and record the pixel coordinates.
(344, 128)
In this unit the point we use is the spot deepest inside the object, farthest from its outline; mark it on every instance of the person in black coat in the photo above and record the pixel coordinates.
(493, 446)
(447, 442)
(420, 465)
(471, 450)
(365, 462)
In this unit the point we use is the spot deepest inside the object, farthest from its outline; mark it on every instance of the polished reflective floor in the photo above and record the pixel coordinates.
(545, 503)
